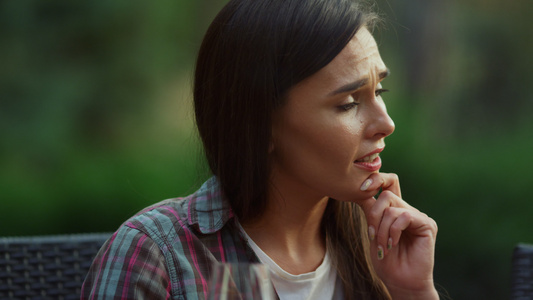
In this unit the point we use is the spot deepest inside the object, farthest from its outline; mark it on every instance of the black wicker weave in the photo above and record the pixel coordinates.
(522, 273)
(46, 267)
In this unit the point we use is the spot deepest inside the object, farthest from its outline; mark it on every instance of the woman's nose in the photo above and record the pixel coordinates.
(381, 124)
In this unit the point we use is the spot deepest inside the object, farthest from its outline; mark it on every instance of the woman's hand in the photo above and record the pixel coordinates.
(402, 239)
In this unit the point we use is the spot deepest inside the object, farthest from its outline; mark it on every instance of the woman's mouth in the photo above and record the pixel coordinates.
(369, 158)
(371, 163)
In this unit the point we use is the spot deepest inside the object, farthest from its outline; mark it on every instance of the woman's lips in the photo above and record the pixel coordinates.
(370, 163)
(371, 166)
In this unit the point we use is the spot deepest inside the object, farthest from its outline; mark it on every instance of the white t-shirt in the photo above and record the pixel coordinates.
(320, 284)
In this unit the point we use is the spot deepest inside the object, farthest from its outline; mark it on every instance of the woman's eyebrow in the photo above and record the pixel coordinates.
(353, 86)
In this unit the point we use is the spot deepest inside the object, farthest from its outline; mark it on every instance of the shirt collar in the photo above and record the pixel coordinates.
(208, 209)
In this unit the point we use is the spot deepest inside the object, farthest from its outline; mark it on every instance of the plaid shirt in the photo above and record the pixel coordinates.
(166, 251)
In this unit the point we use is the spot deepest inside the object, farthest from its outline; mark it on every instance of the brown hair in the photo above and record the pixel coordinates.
(252, 54)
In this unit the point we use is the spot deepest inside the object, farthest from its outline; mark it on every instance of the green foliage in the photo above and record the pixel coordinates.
(81, 85)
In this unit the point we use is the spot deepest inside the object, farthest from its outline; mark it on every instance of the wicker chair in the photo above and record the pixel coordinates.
(522, 273)
(46, 267)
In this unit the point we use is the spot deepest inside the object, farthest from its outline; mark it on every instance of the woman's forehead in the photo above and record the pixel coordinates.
(359, 59)
(361, 53)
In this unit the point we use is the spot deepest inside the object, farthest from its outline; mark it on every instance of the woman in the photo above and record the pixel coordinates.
(288, 105)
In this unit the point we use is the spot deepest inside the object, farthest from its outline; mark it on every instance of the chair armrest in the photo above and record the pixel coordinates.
(522, 272)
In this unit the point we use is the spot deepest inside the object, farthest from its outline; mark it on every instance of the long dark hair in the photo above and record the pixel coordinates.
(252, 54)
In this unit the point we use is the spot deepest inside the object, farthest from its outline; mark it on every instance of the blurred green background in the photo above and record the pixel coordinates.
(96, 122)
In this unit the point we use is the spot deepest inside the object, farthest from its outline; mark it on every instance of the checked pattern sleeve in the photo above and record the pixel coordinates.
(130, 266)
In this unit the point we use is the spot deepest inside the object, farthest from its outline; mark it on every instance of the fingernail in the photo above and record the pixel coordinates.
(371, 232)
(389, 244)
(380, 252)
(366, 184)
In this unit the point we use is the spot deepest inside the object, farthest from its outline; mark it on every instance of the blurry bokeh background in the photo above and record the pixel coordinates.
(95, 119)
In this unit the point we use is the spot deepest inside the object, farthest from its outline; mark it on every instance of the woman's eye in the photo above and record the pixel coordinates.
(380, 91)
(348, 106)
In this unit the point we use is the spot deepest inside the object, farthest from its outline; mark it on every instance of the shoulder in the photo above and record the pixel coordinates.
(139, 261)
(161, 220)
(204, 212)
(201, 213)
(129, 265)
(132, 263)
(177, 239)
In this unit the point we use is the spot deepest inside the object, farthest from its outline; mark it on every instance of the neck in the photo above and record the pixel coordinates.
(289, 231)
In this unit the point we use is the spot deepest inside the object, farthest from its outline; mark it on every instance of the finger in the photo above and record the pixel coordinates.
(385, 181)
(374, 214)
(401, 223)
(367, 205)
(386, 195)
(391, 182)
(371, 185)
(384, 233)
(413, 223)
(374, 210)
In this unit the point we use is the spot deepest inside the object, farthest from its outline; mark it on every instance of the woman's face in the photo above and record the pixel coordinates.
(326, 138)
